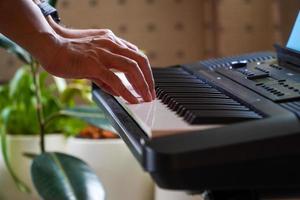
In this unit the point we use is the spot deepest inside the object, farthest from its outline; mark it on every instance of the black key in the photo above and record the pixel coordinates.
(167, 97)
(181, 93)
(177, 80)
(187, 90)
(169, 71)
(187, 85)
(175, 103)
(211, 116)
(158, 76)
(182, 85)
(183, 109)
(173, 79)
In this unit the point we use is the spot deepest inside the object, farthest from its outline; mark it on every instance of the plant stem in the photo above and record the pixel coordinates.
(39, 108)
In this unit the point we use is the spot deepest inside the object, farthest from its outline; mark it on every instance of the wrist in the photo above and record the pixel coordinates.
(60, 30)
(46, 48)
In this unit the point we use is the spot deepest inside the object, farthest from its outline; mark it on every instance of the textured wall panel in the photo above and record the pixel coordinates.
(245, 26)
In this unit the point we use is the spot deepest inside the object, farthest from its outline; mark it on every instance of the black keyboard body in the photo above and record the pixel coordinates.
(258, 148)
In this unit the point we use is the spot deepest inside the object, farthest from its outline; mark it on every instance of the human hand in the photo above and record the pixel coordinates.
(94, 57)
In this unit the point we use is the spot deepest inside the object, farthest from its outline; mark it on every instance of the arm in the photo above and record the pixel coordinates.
(77, 54)
(22, 22)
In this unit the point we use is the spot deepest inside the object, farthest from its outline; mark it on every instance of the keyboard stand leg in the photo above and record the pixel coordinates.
(231, 195)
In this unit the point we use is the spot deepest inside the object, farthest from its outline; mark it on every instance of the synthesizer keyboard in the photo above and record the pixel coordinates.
(226, 124)
(229, 123)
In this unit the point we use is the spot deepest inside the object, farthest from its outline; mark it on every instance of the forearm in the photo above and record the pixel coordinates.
(22, 21)
(74, 33)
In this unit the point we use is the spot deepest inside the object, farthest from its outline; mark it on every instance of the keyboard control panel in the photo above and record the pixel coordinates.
(266, 78)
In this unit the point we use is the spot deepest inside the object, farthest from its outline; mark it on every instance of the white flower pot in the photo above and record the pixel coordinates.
(119, 172)
(17, 145)
(162, 194)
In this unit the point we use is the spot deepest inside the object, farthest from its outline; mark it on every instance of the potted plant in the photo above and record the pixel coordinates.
(20, 121)
(120, 173)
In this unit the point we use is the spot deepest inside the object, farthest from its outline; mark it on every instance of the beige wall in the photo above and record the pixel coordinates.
(245, 26)
(289, 11)
(180, 31)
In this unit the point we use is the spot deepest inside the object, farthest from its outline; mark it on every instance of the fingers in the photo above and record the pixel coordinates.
(144, 65)
(129, 45)
(140, 58)
(113, 52)
(114, 84)
(131, 69)
(105, 87)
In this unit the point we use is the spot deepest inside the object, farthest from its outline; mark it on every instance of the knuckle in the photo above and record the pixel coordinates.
(133, 65)
(110, 37)
(107, 41)
(143, 58)
(107, 31)
(134, 47)
(122, 49)
(109, 34)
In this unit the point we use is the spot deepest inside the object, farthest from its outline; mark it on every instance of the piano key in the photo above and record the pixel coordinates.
(183, 109)
(177, 80)
(166, 76)
(187, 90)
(175, 103)
(181, 85)
(170, 71)
(167, 97)
(173, 76)
(197, 101)
(212, 116)
(181, 93)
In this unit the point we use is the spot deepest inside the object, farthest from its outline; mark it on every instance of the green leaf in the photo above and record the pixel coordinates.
(19, 183)
(67, 96)
(17, 119)
(12, 47)
(52, 2)
(4, 97)
(91, 115)
(69, 126)
(20, 84)
(60, 176)
(75, 89)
